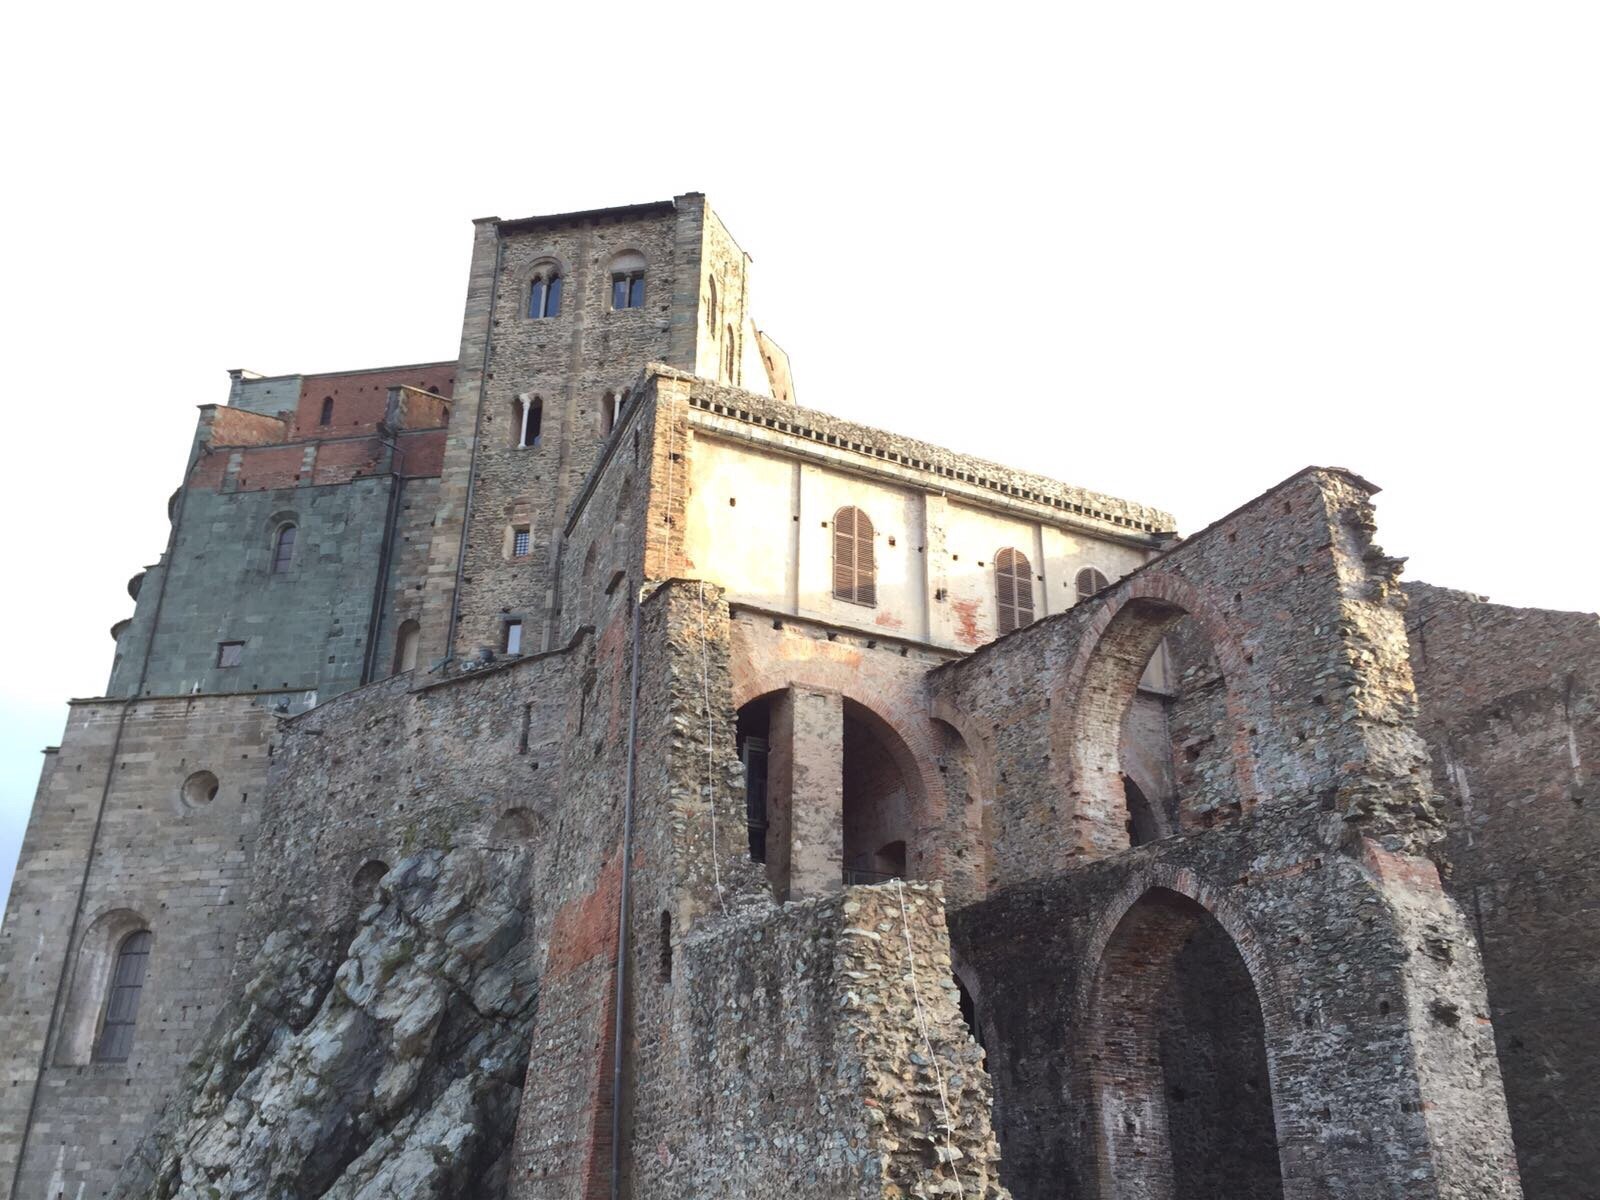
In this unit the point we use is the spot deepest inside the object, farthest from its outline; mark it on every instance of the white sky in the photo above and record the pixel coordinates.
(1172, 251)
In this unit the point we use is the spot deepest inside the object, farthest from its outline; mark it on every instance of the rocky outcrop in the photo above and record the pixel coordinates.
(383, 1064)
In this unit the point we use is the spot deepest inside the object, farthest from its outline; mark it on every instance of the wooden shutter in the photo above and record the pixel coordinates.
(854, 572)
(1090, 581)
(1013, 589)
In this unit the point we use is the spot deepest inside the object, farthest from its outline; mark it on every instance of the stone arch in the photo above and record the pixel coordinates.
(93, 961)
(513, 831)
(1156, 884)
(911, 747)
(1094, 693)
(364, 883)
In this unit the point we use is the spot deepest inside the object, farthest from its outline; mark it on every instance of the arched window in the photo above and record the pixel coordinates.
(627, 280)
(1013, 589)
(405, 646)
(122, 1001)
(728, 354)
(544, 294)
(854, 573)
(327, 411)
(711, 303)
(283, 549)
(1090, 581)
(529, 416)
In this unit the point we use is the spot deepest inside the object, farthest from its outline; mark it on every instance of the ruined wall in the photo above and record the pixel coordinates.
(1321, 880)
(818, 1051)
(1334, 942)
(1301, 610)
(90, 874)
(1511, 710)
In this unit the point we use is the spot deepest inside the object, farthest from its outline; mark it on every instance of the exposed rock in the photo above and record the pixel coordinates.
(391, 1068)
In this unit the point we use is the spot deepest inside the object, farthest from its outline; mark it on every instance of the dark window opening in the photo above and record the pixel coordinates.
(327, 411)
(728, 353)
(544, 297)
(610, 411)
(753, 732)
(1142, 825)
(969, 1012)
(529, 429)
(122, 1004)
(666, 947)
(283, 550)
(854, 571)
(230, 654)
(711, 308)
(627, 289)
(1013, 589)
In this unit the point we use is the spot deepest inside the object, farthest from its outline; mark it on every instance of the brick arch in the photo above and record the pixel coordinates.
(1093, 695)
(909, 738)
(1154, 933)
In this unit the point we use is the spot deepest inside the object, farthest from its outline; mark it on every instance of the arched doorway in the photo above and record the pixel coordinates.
(1178, 1062)
(877, 802)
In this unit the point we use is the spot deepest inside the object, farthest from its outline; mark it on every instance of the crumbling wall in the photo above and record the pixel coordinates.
(1374, 1017)
(1511, 710)
(818, 1051)
(1321, 879)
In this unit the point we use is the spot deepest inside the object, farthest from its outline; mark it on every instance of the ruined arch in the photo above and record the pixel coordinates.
(1178, 1054)
(1094, 694)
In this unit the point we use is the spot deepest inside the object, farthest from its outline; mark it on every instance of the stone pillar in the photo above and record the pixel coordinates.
(805, 794)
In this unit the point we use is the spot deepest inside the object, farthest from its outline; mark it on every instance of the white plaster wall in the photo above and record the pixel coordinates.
(772, 546)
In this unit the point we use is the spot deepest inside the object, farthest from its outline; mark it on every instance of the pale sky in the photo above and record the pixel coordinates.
(1170, 251)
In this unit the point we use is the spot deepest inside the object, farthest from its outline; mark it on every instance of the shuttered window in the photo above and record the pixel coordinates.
(1013, 589)
(122, 1004)
(855, 577)
(1090, 581)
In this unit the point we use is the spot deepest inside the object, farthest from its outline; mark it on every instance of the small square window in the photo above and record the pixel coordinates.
(230, 654)
(513, 637)
(521, 542)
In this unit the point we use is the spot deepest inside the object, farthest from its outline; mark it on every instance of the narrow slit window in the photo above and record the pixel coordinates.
(513, 642)
(728, 353)
(854, 571)
(327, 411)
(283, 549)
(1013, 589)
(122, 1000)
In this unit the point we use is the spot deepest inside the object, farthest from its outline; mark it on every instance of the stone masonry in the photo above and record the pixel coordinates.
(622, 781)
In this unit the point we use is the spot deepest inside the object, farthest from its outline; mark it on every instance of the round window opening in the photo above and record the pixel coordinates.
(199, 789)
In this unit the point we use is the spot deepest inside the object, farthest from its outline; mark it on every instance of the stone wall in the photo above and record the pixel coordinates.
(1511, 710)
(818, 1051)
(113, 846)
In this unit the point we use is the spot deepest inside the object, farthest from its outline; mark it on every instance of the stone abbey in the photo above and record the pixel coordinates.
(576, 770)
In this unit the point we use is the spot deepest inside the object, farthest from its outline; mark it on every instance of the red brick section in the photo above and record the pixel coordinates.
(585, 927)
(424, 453)
(360, 398)
(237, 427)
(340, 462)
